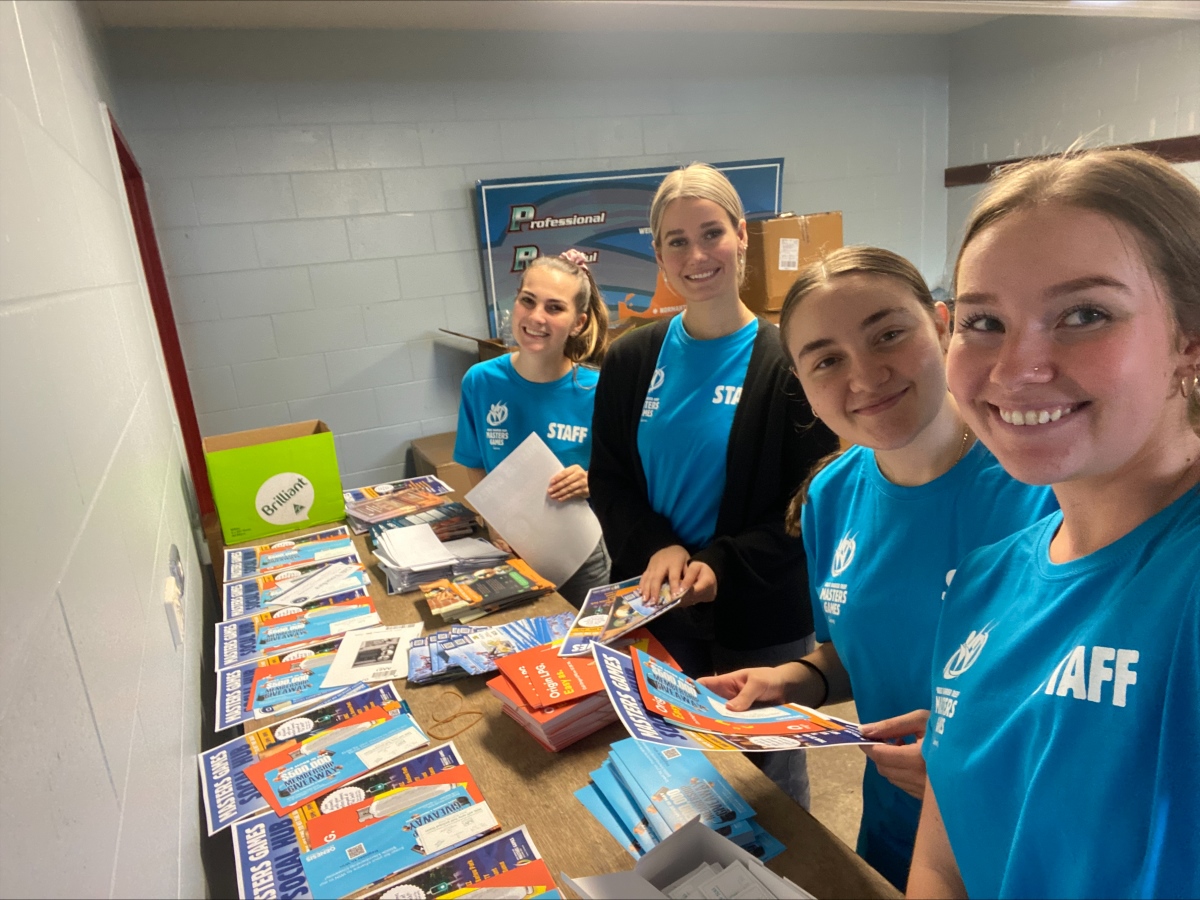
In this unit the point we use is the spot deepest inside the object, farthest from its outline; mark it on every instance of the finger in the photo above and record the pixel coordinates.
(911, 723)
(690, 575)
(751, 691)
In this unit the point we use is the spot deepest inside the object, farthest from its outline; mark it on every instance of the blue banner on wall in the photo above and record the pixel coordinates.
(604, 214)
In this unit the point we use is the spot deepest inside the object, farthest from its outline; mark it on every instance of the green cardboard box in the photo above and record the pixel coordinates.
(269, 481)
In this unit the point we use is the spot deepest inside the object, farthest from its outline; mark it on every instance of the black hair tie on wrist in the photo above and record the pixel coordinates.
(825, 681)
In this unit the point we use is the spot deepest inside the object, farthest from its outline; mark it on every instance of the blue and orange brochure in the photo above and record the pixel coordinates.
(229, 795)
(610, 611)
(320, 546)
(294, 679)
(255, 637)
(646, 725)
(234, 684)
(265, 839)
(245, 598)
(320, 766)
(382, 793)
(437, 819)
(509, 861)
(677, 698)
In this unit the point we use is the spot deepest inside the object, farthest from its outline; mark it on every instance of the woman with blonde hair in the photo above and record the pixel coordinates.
(885, 523)
(700, 436)
(1062, 749)
(545, 387)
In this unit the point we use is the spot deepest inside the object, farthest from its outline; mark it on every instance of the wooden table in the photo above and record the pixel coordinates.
(525, 784)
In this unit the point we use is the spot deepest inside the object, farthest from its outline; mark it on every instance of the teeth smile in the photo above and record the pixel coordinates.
(1035, 416)
(536, 333)
(701, 276)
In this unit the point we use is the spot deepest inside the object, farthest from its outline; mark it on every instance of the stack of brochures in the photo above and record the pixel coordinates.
(286, 606)
(474, 649)
(559, 700)
(642, 794)
(371, 505)
(466, 597)
(448, 521)
(343, 815)
(556, 700)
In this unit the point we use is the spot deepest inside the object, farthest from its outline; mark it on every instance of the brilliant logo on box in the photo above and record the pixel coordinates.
(285, 499)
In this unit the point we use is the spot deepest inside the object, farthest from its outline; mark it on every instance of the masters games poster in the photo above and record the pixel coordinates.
(606, 215)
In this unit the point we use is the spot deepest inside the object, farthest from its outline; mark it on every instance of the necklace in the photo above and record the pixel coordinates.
(962, 450)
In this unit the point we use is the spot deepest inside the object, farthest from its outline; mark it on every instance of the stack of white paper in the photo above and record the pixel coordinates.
(474, 553)
(413, 555)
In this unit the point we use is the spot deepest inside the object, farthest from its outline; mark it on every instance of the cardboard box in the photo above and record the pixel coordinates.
(434, 455)
(489, 348)
(674, 858)
(273, 480)
(779, 249)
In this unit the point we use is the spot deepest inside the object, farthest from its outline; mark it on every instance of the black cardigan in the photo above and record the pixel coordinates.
(762, 580)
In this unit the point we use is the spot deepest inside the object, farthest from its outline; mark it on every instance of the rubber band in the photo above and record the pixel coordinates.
(808, 664)
(458, 713)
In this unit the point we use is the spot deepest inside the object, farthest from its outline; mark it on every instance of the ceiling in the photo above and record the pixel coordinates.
(795, 16)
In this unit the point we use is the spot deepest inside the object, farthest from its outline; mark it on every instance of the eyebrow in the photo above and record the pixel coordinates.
(1062, 289)
(708, 224)
(866, 323)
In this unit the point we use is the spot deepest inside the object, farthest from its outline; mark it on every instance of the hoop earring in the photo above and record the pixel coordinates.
(1184, 389)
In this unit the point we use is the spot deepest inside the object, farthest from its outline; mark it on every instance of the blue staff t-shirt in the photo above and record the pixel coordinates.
(684, 430)
(499, 409)
(1063, 742)
(879, 558)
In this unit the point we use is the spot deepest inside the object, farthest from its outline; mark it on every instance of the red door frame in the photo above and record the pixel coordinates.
(164, 318)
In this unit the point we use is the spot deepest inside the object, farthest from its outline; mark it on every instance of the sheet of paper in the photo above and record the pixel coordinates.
(377, 654)
(555, 538)
(413, 546)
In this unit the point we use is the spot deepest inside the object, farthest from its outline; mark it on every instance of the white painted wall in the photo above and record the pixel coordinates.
(313, 191)
(99, 711)
(1020, 87)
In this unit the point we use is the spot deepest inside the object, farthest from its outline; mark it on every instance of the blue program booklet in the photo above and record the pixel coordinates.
(681, 785)
(594, 803)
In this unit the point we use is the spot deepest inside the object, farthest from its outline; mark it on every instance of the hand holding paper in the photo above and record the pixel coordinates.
(554, 537)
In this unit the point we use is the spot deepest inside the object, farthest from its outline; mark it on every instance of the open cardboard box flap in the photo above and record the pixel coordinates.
(674, 858)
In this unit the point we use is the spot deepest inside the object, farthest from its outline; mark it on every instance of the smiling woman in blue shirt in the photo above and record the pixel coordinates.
(1062, 748)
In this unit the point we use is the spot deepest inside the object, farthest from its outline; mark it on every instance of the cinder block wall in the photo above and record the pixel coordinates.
(100, 712)
(313, 192)
(1024, 86)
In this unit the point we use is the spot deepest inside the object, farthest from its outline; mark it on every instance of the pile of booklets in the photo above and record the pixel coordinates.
(286, 606)
(448, 521)
(466, 597)
(369, 506)
(475, 649)
(333, 803)
(558, 700)
(641, 795)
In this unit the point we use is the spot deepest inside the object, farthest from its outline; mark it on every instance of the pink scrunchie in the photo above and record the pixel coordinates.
(576, 257)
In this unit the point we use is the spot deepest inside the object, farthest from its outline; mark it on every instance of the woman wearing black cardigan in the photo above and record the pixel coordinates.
(700, 436)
